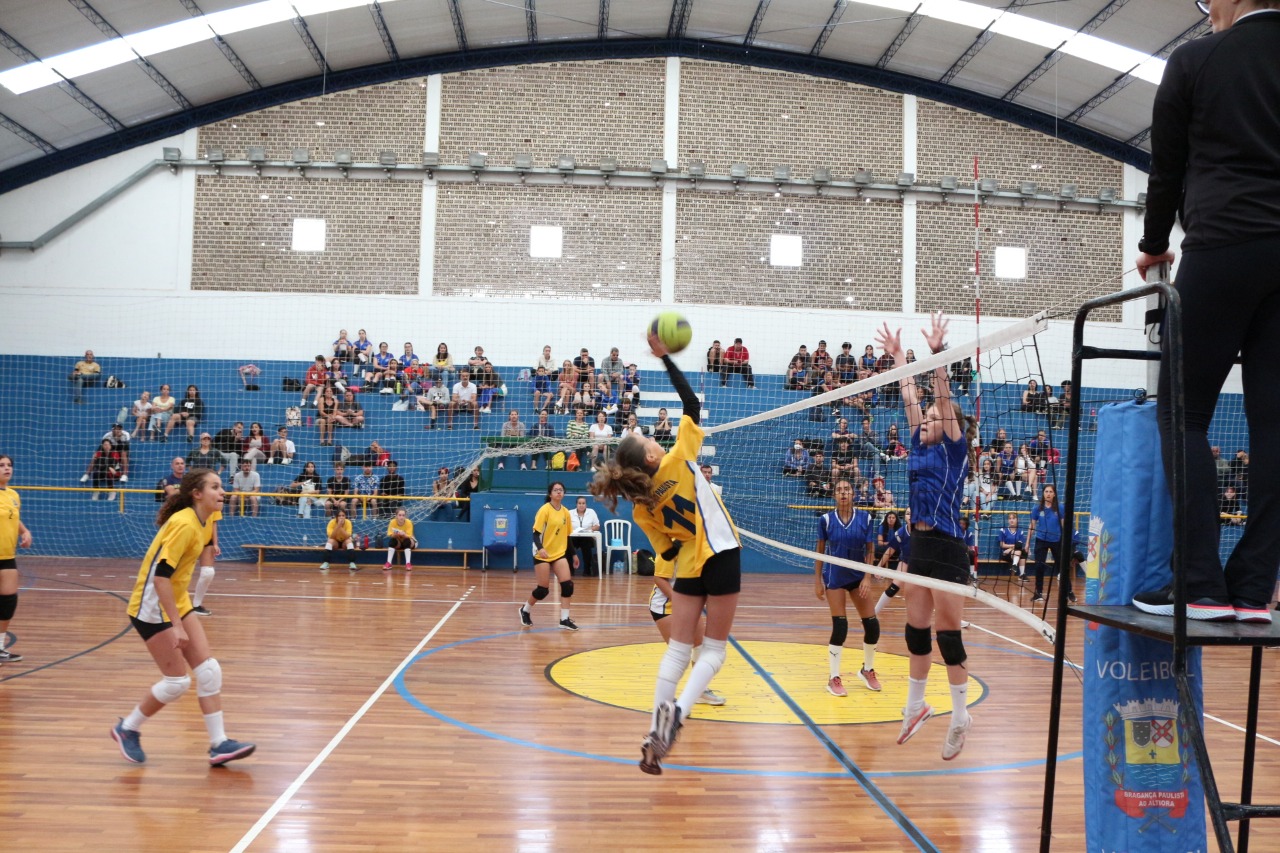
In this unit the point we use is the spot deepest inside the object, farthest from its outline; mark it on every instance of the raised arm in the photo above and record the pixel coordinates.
(891, 343)
(688, 400)
(936, 337)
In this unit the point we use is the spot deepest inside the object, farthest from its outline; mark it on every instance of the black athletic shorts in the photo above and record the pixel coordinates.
(147, 630)
(658, 617)
(11, 563)
(936, 555)
(721, 575)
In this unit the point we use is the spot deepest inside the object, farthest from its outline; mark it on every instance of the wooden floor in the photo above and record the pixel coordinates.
(414, 714)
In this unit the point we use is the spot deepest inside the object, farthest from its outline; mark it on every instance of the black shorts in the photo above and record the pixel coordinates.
(939, 556)
(147, 630)
(658, 617)
(721, 575)
(11, 563)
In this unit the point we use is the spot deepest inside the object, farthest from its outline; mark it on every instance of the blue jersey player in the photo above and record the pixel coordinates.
(846, 532)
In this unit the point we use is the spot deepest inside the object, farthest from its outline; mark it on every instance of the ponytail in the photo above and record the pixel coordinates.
(970, 426)
(626, 475)
(182, 499)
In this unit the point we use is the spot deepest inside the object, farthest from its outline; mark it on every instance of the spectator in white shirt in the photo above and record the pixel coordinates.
(141, 413)
(246, 480)
(120, 442)
(464, 398)
(282, 449)
(434, 400)
(545, 361)
(706, 472)
(600, 433)
(584, 522)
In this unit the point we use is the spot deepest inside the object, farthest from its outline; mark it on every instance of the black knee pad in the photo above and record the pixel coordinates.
(952, 648)
(871, 631)
(540, 592)
(893, 590)
(8, 606)
(566, 589)
(919, 640)
(839, 629)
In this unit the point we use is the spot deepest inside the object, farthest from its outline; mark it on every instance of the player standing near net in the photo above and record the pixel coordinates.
(1215, 161)
(13, 535)
(846, 532)
(899, 548)
(551, 528)
(942, 438)
(686, 522)
(159, 609)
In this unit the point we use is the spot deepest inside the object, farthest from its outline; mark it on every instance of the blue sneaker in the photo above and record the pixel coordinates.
(229, 750)
(130, 743)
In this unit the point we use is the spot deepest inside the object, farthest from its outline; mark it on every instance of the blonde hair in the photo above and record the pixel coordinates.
(627, 475)
(970, 425)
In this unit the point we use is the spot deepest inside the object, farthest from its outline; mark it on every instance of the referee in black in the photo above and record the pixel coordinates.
(1215, 164)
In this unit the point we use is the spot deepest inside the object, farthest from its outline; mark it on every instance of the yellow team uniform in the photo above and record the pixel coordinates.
(394, 528)
(554, 525)
(10, 511)
(178, 544)
(339, 534)
(687, 510)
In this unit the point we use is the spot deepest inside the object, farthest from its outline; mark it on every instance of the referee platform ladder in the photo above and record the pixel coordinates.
(1180, 633)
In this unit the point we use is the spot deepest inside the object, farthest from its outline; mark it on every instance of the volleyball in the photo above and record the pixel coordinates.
(672, 329)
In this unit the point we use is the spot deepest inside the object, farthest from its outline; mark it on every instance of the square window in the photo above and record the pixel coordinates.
(308, 235)
(785, 250)
(546, 241)
(1011, 262)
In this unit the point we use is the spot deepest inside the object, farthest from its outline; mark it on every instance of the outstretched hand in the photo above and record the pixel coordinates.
(656, 346)
(936, 335)
(890, 342)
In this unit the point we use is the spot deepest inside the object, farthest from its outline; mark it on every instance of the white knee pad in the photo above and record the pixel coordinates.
(170, 688)
(208, 678)
(713, 653)
(206, 574)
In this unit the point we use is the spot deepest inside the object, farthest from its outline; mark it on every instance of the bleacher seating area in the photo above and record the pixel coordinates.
(52, 440)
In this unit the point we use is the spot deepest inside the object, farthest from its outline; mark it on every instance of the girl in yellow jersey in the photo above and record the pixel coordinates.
(400, 538)
(551, 529)
(338, 534)
(660, 608)
(687, 523)
(159, 609)
(13, 535)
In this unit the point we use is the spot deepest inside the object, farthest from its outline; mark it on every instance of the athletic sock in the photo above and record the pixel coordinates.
(915, 694)
(391, 554)
(217, 731)
(202, 584)
(564, 614)
(833, 659)
(697, 653)
(868, 657)
(959, 704)
(700, 677)
(525, 608)
(884, 599)
(134, 721)
(674, 662)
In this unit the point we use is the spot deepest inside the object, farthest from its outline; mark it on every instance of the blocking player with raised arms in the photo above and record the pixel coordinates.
(13, 535)
(677, 509)
(551, 528)
(846, 532)
(941, 450)
(159, 610)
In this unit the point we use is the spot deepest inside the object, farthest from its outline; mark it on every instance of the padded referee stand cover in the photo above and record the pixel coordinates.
(1141, 786)
(501, 530)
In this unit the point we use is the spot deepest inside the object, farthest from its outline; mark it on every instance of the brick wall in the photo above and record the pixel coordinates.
(768, 118)
(1070, 256)
(851, 249)
(584, 109)
(244, 233)
(610, 249)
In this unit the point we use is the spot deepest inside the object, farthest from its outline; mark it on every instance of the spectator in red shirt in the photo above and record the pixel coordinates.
(737, 360)
(317, 377)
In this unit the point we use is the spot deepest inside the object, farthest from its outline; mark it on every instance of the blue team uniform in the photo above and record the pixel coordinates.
(937, 473)
(1011, 537)
(1048, 523)
(900, 542)
(848, 541)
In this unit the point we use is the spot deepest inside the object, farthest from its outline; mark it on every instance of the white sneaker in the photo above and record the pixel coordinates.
(912, 723)
(524, 467)
(955, 740)
(710, 697)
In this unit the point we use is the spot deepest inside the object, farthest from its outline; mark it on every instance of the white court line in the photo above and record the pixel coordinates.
(297, 784)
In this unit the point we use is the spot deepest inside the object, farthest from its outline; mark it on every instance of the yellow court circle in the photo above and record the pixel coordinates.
(623, 676)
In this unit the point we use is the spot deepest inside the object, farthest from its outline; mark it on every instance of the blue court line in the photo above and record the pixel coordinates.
(887, 805)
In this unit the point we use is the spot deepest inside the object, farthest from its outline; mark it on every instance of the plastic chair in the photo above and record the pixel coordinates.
(617, 537)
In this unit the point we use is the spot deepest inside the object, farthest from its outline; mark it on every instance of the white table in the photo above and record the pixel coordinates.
(599, 540)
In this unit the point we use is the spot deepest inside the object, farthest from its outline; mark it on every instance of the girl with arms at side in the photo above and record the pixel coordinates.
(846, 532)
(551, 529)
(13, 535)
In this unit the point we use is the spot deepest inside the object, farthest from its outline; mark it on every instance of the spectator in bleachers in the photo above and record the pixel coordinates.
(566, 386)
(362, 349)
(586, 366)
(882, 497)
(662, 430)
(365, 484)
(862, 493)
(515, 428)
(317, 377)
(1229, 507)
(707, 472)
(805, 358)
(988, 481)
(924, 381)
(962, 375)
(603, 399)
(612, 370)
(631, 384)
(579, 430)
(466, 489)
(1027, 474)
(1240, 475)
(389, 379)
(1034, 399)
(464, 398)
(228, 442)
(623, 414)
(441, 487)
(282, 448)
(442, 369)
(342, 347)
(846, 365)
(378, 363)
(337, 377)
(339, 484)
(1006, 467)
(998, 441)
(818, 482)
(141, 414)
(970, 538)
(327, 411)
(632, 427)
(1222, 466)
(869, 362)
(408, 355)
(103, 470)
(715, 358)
(391, 488)
(1039, 445)
(433, 400)
(1013, 546)
(245, 480)
(797, 378)
(414, 375)
(85, 374)
(888, 529)
(161, 411)
(842, 428)
(477, 361)
(543, 429)
(825, 384)
(350, 412)
(822, 360)
(491, 386)
(969, 493)
(204, 456)
(844, 462)
(601, 432)
(797, 460)
(545, 361)
(543, 393)
(307, 486)
(119, 439)
(893, 446)
(890, 396)
(737, 360)
(172, 480)
(255, 447)
(190, 411)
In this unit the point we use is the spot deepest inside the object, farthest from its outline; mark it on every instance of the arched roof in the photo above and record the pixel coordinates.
(82, 79)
